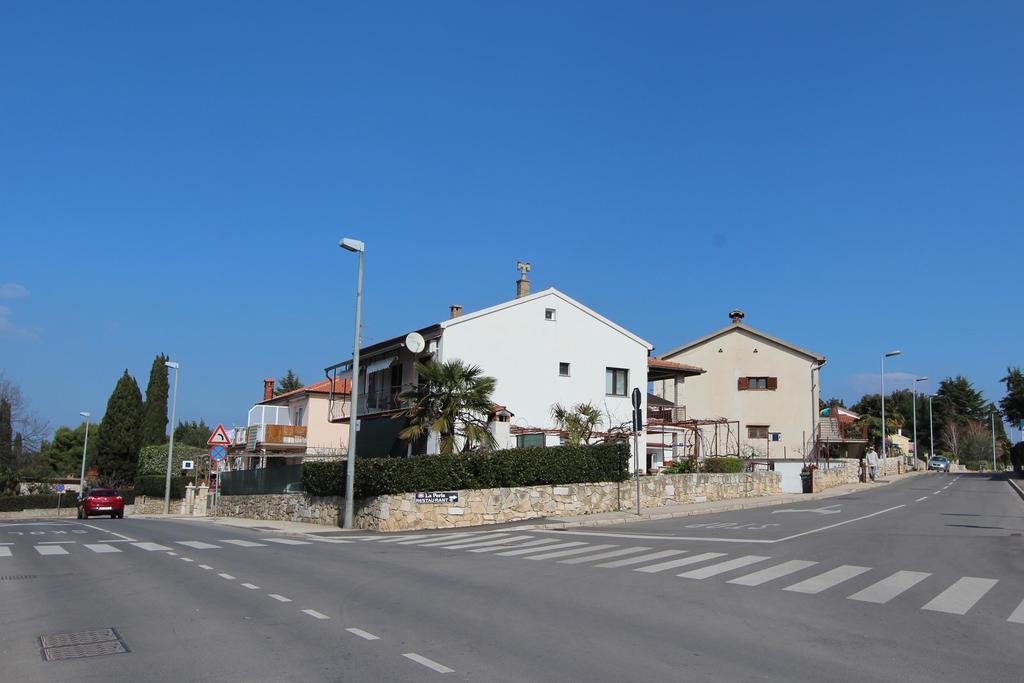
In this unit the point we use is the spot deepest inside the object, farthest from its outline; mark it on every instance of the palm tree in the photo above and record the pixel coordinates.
(578, 422)
(452, 399)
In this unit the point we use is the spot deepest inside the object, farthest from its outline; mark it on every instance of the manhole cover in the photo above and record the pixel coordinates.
(78, 644)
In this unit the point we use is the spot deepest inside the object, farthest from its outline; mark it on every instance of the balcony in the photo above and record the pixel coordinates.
(378, 401)
(666, 413)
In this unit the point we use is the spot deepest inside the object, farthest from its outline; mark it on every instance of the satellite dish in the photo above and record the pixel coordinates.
(414, 342)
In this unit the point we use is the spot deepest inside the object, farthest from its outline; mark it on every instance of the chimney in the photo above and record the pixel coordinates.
(522, 284)
(737, 316)
(268, 388)
(456, 310)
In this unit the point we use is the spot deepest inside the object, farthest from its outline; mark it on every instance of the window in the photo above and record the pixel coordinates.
(757, 431)
(616, 381)
(563, 369)
(528, 440)
(549, 314)
(298, 416)
(758, 383)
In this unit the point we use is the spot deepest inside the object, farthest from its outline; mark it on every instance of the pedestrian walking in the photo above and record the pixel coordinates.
(872, 458)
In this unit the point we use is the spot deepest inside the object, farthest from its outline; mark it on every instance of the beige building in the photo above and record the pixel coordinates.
(769, 385)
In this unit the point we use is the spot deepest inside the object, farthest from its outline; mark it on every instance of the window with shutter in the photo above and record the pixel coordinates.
(773, 383)
(743, 384)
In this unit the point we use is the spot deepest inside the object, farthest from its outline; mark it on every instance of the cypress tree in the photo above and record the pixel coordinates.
(18, 450)
(117, 443)
(289, 382)
(154, 419)
(6, 447)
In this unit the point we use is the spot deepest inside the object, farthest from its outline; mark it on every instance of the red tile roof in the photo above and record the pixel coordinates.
(341, 386)
(669, 365)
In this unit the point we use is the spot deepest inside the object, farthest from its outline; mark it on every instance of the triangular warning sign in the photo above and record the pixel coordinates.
(219, 437)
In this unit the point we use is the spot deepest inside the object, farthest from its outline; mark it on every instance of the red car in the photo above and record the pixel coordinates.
(101, 502)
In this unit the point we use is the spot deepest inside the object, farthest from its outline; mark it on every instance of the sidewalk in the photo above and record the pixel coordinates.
(673, 511)
(288, 528)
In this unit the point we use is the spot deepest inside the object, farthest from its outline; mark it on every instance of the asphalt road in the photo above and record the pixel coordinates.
(920, 580)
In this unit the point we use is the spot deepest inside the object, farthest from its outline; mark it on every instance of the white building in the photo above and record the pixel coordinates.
(769, 385)
(542, 349)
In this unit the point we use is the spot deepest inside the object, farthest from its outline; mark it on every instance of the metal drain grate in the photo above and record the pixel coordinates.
(79, 644)
(18, 577)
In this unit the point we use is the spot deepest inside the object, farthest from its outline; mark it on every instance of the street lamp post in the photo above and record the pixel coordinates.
(919, 379)
(993, 415)
(931, 429)
(170, 444)
(884, 356)
(353, 422)
(85, 450)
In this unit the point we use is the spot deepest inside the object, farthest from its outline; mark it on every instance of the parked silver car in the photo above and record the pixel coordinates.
(939, 463)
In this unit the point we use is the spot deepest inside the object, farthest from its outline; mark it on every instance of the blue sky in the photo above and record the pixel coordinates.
(175, 177)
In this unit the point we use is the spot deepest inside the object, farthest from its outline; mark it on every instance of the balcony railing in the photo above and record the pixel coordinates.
(378, 401)
(667, 413)
(288, 435)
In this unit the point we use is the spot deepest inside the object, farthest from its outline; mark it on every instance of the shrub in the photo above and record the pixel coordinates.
(683, 466)
(536, 466)
(723, 465)
(37, 501)
(153, 459)
(153, 485)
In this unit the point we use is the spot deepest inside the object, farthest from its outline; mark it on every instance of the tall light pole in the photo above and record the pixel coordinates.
(916, 450)
(931, 429)
(993, 415)
(85, 450)
(353, 421)
(170, 444)
(884, 356)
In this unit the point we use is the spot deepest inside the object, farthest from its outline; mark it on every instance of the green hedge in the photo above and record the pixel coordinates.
(37, 501)
(153, 485)
(535, 466)
(723, 465)
(153, 459)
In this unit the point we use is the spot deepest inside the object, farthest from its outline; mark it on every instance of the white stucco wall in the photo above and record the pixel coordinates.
(737, 353)
(522, 350)
(320, 433)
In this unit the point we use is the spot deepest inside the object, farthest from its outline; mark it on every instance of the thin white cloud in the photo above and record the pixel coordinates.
(13, 290)
(9, 330)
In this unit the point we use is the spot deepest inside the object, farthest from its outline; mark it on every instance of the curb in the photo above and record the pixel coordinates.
(1016, 487)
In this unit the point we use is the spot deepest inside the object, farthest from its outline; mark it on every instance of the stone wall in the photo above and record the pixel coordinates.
(839, 472)
(151, 505)
(401, 512)
(41, 512)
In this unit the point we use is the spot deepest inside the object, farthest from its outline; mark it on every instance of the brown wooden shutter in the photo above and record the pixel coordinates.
(773, 383)
(743, 383)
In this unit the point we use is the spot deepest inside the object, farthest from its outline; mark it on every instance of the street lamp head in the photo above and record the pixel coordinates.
(921, 379)
(171, 364)
(352, 245)
(893, 353)
(85, 414)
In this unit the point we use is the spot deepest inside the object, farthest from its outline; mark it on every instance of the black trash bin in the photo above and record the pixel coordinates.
(807, 480)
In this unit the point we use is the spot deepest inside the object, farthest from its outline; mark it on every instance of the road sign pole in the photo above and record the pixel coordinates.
(170, 444)
(638, 424)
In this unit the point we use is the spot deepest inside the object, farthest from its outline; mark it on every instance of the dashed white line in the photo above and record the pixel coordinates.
(285, 541)
(362, 634)
(226, 576)
(316, 615)
(961, 596)
(244, 544)
(186, 559)
(99, 528)
(251, 586)
(150, 547)
(920, 499)
(50, 550)
(205, 566)
(429, 663)
(172, 553)
(198, 545)
(279, 598)
(101, 548)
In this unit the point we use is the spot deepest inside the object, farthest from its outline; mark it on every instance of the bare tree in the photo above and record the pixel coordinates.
(32, 428)
(952, 435)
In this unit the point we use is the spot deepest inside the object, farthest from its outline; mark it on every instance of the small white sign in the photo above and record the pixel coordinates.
(187, 465)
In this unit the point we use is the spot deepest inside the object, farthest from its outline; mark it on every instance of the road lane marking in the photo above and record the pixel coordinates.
(99, 528)
(605, 556)
(961, 596)
(772, 573)
(150, 547)
(365, 635)
(395, 539)
(327, 540)
(102, 548)
(285, 541)
(643, 558)
(526, 551)
(243, 544)
(186, 559)
(722, 567)
(316, 615)
(198, 545)
(494, 548)
(226, 576)
(833, 526)
(56, 542)
(1018, 614)
(428, 539)
(683, 562)
(921, 498)
(567, 553)
(480, 544)
(251, 586)
(483, 537)
(172, 553)
(5, 551)
(889, 587)
(50, 550)
(822, 582)
(204, 566)
(279, 598)
(429, 663)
